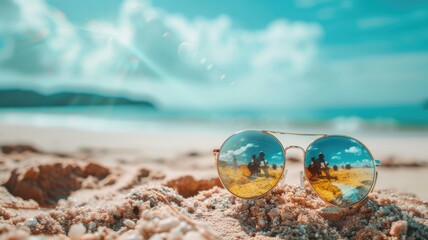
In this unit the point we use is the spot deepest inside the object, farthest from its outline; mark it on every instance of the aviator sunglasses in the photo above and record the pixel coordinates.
(340, 169)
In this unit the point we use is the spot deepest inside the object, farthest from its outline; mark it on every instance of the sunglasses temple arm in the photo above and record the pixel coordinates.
(216, 152)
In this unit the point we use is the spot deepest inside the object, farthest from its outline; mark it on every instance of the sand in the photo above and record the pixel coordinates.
(241, 184)
(65, 187)
(343, 180)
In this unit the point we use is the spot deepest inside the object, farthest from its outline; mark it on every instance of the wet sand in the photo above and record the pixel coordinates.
(94, 186)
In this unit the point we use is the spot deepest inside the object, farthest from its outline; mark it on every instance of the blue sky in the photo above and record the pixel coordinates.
(339, 151)
(254, 54)
(243, 145)
(343, 22)
(398, 26)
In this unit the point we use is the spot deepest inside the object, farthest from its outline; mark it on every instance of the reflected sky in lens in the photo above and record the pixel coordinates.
(245, 144)
(339, 151)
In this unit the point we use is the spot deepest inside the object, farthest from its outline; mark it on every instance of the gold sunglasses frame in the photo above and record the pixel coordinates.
(305, 177)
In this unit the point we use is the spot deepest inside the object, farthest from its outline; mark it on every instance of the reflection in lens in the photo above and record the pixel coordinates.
(340, 170)
(250, 163)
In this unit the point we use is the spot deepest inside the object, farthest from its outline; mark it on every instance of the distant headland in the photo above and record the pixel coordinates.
(14, 98)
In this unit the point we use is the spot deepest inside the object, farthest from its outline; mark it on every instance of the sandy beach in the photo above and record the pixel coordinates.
(61, 183)
(194, 120)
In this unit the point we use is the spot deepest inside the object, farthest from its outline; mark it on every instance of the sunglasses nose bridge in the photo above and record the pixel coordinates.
(302, 183)
(291, 147)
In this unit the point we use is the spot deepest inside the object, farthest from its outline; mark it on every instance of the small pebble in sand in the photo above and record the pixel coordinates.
(398, 228)
(129, 223)
(90, 236)
(35, 238)
(91, 226)
(157, 237)
(76, 231)
(134, 237)
(167, 224)
(192, 235)
(175, 234)
(30, 222)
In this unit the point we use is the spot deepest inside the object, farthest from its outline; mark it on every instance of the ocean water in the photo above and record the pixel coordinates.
(132, 118)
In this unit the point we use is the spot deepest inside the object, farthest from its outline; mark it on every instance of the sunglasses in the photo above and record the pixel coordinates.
(340, 169)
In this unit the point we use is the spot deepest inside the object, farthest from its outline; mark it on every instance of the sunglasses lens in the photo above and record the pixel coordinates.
(250, 163)
(340, 169)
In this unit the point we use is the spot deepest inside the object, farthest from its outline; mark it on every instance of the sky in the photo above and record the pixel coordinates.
(339, 151)
(221, 54)
(244, 145)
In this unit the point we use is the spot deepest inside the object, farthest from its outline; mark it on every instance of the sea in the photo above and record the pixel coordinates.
(410, 118)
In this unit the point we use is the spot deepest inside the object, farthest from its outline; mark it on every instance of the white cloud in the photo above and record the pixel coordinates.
(354, 150)
(143, 48)
(140, 53)
(274, 54)
(362, 163)
(244, 148)
(39, 39)
(366, 163)
(240, 151)
(336, 157)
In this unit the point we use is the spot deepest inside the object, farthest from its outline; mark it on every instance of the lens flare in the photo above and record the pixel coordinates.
(340, 169)
(250, 163)
(187, 53)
